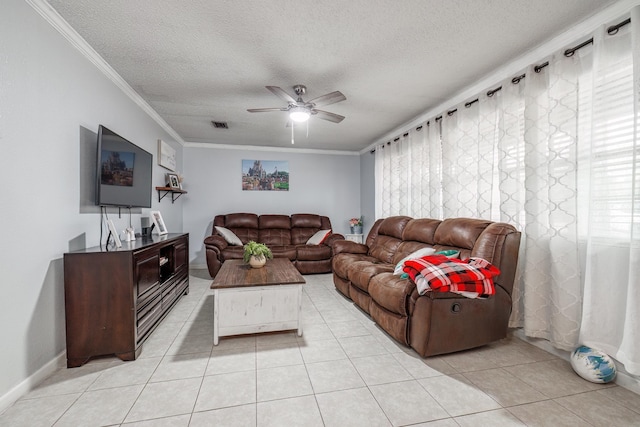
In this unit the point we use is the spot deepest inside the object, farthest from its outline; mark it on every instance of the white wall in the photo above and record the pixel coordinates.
(52, 100)
(325, 184)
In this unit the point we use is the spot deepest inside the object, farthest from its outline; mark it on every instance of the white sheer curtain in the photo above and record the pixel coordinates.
(557, 156)
(550, 281)
(470, 167)
(404, 170)
(611, 317)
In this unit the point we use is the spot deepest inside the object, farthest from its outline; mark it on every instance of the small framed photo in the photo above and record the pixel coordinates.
(159, 222)
(114, 233)
(173, 180)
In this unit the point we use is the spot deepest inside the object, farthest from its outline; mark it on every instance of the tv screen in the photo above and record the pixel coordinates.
(123, 172)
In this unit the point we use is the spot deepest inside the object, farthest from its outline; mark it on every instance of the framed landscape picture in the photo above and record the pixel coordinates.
(265, 175)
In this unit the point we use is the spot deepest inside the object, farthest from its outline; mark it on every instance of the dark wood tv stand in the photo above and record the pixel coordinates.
(115, 298)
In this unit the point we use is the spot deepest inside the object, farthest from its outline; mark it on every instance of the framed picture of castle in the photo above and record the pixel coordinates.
(265, 175)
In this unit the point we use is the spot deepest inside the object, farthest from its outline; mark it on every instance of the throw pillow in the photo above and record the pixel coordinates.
(319, 237)
(229, 236)
(417, 254)
(450, 253)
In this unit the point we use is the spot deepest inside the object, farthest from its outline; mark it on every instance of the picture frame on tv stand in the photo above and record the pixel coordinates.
(158, 223)
(113, 232)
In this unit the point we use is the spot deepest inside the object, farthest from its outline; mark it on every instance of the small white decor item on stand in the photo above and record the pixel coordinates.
(129, 235)
(593, 365)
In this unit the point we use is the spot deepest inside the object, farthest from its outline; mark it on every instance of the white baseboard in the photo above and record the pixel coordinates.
(33, 380)
(623, 378)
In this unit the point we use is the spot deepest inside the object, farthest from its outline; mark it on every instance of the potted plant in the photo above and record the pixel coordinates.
(256, 254)
(356, 225)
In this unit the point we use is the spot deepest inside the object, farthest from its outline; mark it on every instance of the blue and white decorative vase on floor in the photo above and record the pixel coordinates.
(593, 365)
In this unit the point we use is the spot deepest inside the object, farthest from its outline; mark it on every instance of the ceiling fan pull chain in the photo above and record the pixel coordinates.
(307, 129)
(292, 126)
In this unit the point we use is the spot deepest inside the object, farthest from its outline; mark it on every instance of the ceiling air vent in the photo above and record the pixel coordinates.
(220, 125)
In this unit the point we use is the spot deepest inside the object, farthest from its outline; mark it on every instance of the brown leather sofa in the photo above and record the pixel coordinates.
(436, 322)
(285, 235)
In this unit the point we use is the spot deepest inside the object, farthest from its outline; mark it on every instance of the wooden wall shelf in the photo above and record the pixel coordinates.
(175, 193)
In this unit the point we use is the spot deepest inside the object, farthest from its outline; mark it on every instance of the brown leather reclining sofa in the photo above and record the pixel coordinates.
(285, 235)
(436, 322)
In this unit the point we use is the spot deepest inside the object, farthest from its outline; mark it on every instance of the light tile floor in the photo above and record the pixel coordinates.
(344, 371)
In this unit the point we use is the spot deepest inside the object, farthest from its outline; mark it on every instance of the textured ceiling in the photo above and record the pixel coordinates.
(201, 60)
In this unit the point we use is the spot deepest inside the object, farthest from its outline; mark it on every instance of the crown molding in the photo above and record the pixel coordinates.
(50, 15)
(568, 38)
(264, 148)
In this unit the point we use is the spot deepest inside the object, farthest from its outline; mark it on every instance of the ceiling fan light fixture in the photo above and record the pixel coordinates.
(299, 114)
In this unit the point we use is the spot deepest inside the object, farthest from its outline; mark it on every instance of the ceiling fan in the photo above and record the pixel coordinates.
(299, 110)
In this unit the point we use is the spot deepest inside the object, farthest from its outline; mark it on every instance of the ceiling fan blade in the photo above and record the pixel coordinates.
(330, 98)
(281, 94)
(325, 115)
(262, 110)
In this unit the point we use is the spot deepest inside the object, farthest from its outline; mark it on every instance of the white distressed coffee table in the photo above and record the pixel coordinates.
(251, 300)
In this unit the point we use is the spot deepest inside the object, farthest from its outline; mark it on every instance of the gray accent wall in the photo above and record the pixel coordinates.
(52, 99)
(325, 184)
(367, 190)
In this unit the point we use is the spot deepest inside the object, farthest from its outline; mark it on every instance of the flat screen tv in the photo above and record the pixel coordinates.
(123, 172)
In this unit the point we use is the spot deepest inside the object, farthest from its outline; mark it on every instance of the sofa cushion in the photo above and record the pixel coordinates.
(229, 236)
(303, 226)
(240, 220)
(274, 221)
(313, 252)
(306, 221)
(389, 238)
(284, 251)
(360, 273)
(341, 262)
(421, 230)
(393, 226)
(391, 292)
(275, 230)
(460, 232)
(275, 237)
(385, 248)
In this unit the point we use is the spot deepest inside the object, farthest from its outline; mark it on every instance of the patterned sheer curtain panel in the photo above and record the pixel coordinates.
(611, 312)
(557, 156)
(401, 175)
(550, 281)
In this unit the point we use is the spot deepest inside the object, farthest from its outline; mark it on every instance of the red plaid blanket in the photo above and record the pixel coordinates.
(472, 278)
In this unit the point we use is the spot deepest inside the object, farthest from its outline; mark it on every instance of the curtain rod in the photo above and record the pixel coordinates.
(612, 30)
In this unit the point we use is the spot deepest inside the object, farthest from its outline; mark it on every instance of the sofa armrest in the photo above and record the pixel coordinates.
(350, 247)
(334, 237)
(216, 241)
